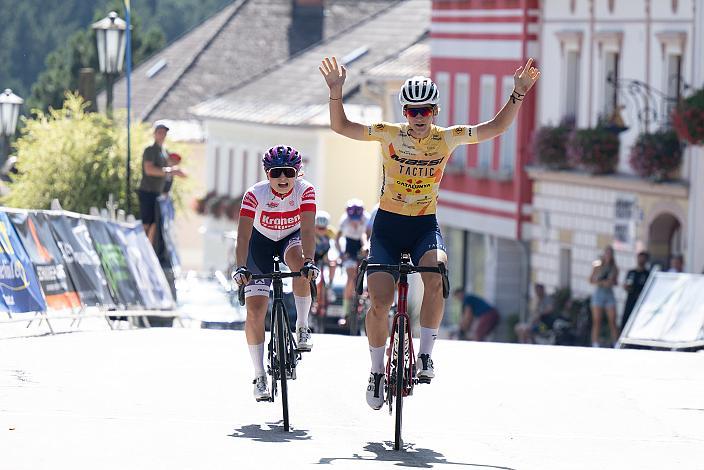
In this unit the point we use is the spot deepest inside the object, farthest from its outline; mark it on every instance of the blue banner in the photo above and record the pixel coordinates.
(20, 288)
(165, 246)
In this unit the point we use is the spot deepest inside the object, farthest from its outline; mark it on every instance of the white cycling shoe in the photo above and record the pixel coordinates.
(304, 339)
(261, 389)
(424, 367)
(375, 390)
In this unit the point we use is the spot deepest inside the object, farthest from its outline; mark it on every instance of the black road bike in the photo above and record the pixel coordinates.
(283, 353)
(400, 365)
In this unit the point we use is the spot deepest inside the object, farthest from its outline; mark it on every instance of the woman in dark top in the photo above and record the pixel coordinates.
(605, 277)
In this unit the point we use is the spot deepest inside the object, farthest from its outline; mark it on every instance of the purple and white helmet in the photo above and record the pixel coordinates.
(281, 156)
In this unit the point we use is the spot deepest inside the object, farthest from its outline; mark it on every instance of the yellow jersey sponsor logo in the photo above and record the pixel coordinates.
(413, 186)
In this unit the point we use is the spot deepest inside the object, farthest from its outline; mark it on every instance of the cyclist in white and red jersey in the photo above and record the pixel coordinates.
(277, 217)
(353, 228)
(414, 155)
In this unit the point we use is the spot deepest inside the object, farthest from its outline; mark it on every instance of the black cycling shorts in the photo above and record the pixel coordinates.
(393, 234)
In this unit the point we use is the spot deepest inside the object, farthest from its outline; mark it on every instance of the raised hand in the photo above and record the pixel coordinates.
(525, 77)
(334, 75)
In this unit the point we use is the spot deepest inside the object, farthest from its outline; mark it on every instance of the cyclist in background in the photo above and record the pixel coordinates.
(353, 227)
(324, 236)
(414, 155)
(276, 218)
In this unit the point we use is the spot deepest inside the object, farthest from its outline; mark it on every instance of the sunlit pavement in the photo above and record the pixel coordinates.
(180, 398)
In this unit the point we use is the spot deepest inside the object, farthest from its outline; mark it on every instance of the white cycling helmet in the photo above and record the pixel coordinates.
(419, 90)
(322, 219)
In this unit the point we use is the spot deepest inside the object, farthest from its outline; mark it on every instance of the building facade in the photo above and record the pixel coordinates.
(485, 196)
(633, 58)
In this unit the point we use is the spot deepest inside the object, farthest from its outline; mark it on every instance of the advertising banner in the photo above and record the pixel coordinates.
(19, 286)
(81, 260)
(35, 233)
(165, 245)
(112, 257)
(144, 265)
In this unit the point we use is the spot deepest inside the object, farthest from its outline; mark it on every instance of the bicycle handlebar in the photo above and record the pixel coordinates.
(278, 275)
(405, 269)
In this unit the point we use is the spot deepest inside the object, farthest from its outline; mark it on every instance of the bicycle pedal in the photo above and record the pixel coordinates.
(423, 380)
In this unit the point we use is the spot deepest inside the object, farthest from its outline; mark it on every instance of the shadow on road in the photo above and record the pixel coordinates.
(271, 432)
(410, 456)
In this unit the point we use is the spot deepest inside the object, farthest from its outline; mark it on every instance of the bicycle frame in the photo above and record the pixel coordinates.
(400, 372)
(283, 354)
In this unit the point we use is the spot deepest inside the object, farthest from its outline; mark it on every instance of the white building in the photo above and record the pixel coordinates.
(583, 43)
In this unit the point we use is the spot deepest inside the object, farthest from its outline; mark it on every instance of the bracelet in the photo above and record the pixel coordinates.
(307, 259)
(515, 96)
(334, 99)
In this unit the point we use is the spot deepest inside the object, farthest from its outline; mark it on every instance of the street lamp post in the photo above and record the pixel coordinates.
(9, 112)
(110, 36)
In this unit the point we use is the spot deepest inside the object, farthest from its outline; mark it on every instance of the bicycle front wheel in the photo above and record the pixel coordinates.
(398, 389)
(281, 353)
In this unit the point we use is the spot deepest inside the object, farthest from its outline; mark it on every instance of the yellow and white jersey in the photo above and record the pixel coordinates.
(413, 168)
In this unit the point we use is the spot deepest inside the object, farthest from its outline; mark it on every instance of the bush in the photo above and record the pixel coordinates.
(550, 146)
(656, 155)
(688, 119)
(595, 150)
(77, 157)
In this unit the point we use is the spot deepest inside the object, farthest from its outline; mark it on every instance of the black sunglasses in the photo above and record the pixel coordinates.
(287, 171)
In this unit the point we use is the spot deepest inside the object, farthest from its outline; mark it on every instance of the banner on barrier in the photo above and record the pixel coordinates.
(19, 286)
(148, 274)
(165, 246)
(117, 272)
(35, 233)
(81, 260)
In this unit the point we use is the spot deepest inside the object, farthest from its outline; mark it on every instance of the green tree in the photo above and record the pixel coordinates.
(77, 157)
(64, 64)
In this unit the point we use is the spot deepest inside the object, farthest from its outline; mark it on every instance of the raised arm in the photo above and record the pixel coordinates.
(523, 81)
(335, 78)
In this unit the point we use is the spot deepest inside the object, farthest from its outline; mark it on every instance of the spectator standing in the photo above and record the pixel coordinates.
(542, 311)
(155, 169)
(676, 264)
(605, 277)
(478, 319)
(634, 283)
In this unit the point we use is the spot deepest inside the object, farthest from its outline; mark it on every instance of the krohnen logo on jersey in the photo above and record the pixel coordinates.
(280, 220)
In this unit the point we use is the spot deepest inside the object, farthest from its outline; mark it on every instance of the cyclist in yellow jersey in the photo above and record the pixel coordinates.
(414, 156)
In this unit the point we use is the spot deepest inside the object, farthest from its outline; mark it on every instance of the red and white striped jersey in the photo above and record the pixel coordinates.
(277, 215)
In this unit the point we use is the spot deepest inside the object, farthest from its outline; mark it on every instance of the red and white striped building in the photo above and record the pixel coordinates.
(485, 197)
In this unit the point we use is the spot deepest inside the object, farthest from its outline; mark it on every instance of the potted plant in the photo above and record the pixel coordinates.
(232, 208)
(595, 150)
(200, 205)
(656, 155)
(550, 145)
(688, 118)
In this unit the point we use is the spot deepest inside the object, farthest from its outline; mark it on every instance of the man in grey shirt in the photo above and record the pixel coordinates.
(155, 169)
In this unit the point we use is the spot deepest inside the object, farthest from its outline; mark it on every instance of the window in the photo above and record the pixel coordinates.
(230, 171)
(673, 81)
(565, 267)
(216, 168)
(571, 84)
(245, 157)
(611, 77)
(507, 158)
(486, 112)
(461, 116)
(442, 80)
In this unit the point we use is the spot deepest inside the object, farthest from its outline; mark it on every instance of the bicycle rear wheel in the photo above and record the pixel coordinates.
(398, 386)
(281, 354)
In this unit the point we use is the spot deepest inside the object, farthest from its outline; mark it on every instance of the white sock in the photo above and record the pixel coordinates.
(377, 358)
(427, 339)
(302, 308)
(257, 353)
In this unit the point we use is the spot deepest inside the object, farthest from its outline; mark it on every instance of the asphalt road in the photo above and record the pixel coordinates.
(181, 399)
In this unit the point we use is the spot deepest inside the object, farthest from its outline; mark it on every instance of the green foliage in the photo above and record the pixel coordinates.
(77, 157)
(31, 30)
(688, 118)
(595, 150)
(656, 155)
